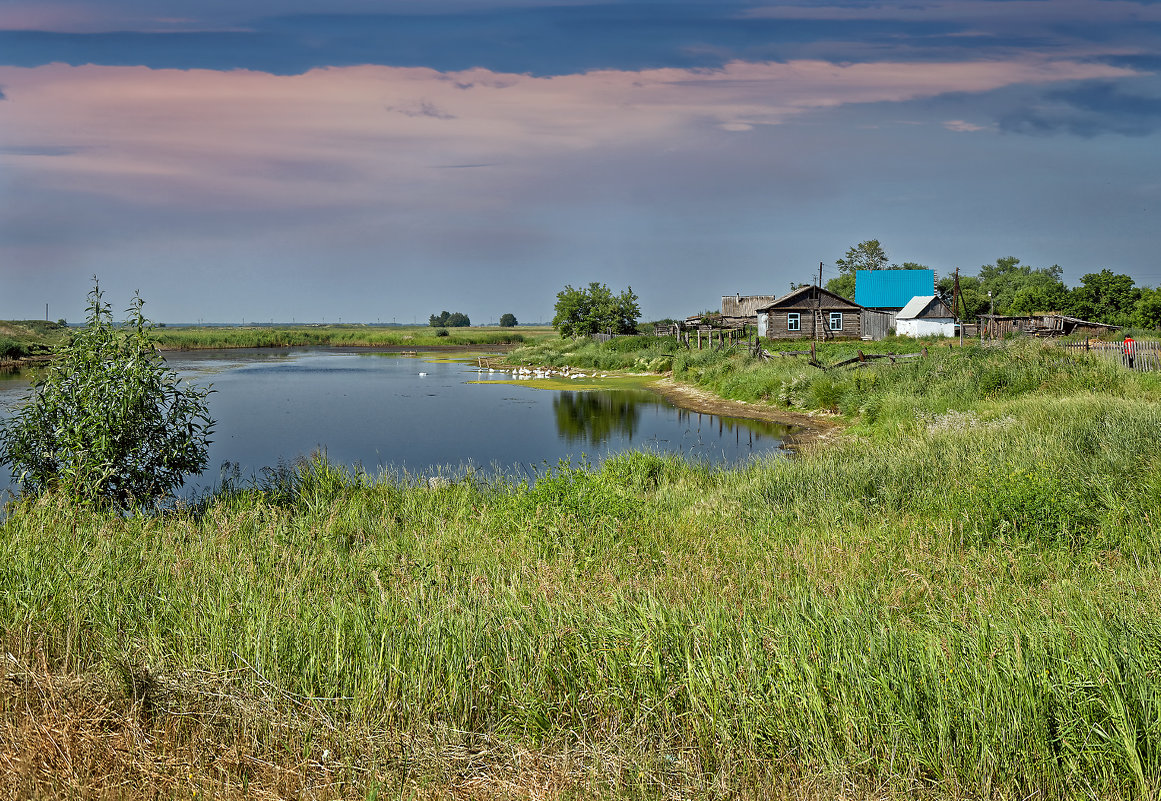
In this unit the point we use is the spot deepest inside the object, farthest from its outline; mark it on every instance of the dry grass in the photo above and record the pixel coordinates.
(196, 736)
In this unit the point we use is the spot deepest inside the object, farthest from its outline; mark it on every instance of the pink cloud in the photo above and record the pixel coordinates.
(339, 137)
(966, 11)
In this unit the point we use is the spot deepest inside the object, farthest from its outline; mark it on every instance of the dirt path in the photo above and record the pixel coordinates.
(814, 429)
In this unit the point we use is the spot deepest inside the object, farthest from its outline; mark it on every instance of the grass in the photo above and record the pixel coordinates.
(23, 339)
(344, 336)
(959, 598)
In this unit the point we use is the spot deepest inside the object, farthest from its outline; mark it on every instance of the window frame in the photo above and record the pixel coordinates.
(793, 321)
(836, 316)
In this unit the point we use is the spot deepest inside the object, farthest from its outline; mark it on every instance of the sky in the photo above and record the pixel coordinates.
(384, 160)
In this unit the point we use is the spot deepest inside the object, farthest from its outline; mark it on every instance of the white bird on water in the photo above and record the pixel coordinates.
(422, 374)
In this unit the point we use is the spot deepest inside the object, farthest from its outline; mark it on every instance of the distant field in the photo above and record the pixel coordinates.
(24, 339)
(346, 335)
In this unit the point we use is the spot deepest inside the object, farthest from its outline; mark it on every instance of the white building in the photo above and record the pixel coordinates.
(925, 316)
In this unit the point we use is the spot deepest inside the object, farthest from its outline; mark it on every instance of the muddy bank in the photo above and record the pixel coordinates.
(813, 429)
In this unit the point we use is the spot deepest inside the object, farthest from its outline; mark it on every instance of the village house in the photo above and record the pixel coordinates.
(925, 316)
(739, 310)
(884, 293)
(810, 312)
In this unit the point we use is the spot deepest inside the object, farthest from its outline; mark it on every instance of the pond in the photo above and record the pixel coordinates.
(425, 415)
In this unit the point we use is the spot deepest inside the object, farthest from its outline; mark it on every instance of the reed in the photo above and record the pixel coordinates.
(957, 599)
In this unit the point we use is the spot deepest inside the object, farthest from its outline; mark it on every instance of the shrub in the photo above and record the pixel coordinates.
(10, 349)
(109, 424)
(442, 332)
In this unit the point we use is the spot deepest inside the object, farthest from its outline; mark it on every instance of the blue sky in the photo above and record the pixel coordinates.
(378, 161)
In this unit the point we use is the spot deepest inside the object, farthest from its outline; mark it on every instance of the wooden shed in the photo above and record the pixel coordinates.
(925, 316)
(811, 312)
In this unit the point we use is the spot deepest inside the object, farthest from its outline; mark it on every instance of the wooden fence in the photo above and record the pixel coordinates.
(1146, 355)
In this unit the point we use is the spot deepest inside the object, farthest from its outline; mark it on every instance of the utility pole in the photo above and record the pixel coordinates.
(817, 306)
(955, 306)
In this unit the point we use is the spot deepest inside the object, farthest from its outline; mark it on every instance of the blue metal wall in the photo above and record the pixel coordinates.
(891, 289)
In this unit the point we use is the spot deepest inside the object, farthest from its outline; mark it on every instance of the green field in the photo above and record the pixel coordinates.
(24, 339)
(959, 598)
(420, 337)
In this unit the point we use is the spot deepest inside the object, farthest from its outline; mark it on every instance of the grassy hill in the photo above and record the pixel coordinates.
(22, 339)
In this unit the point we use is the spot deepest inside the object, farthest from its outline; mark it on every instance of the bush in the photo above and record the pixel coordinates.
(11, 349)
(109, 424)
(442, 332)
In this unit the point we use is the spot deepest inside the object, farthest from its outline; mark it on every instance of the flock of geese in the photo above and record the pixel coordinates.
(525, 373)
(528, 373)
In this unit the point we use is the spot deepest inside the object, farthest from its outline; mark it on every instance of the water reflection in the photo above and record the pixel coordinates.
(594, 417)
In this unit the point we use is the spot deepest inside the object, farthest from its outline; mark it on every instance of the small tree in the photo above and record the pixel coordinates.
(507, 320)
(110, 424)
(581, 312)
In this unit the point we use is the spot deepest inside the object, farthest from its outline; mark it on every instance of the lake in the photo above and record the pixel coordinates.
(426, 415)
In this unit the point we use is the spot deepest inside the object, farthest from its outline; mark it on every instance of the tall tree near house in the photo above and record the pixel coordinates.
(868, 255)
(1149, 308)
(1105, 297)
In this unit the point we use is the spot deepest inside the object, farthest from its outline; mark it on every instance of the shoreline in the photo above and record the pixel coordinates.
(815, 430)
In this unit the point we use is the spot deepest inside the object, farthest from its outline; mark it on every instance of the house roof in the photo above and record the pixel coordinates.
(927, 306)
(891, 289)
(805, 296)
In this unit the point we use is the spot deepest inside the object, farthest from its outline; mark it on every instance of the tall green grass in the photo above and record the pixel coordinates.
(962, 601)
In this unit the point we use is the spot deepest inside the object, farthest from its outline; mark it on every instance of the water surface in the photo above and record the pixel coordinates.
(376, 412)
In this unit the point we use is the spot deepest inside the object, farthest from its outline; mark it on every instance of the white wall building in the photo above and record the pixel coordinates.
(925, 316)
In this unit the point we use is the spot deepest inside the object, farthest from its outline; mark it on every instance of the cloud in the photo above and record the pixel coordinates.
(422, 108)
(967, 11)
(1088, 111)
(964, 126)
(366, 137)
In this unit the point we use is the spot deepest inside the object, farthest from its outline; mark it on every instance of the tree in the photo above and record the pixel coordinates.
(843, 286)
(1149, 308)
(507, 320)
(449, 320)
(1105, 297)
(867, 255)
(581, 312)
(110, 424)
(973, 301)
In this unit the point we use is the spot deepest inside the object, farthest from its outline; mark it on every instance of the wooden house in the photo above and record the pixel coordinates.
(739, 310)
(811, 312)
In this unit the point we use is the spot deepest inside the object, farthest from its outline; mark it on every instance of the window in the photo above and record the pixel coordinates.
(836, 321)
(793, 321)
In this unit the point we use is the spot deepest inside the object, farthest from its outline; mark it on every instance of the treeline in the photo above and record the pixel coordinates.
(1020, 289)
(446, 320)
